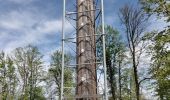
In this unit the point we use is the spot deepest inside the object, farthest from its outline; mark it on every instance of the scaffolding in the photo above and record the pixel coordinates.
(85, 19)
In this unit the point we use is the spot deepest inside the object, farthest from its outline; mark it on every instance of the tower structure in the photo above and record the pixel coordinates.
(86, 15)
(86, 50)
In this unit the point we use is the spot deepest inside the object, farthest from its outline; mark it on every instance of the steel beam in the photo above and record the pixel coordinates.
(104, 53)
(63, 37)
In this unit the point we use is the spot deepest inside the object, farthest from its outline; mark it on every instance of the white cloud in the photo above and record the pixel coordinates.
(14, 24)
(52, 26)
(29, 28)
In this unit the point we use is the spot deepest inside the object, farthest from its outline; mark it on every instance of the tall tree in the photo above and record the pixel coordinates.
(134, 22)
(160, 52)
(8, 79)
(161, 66)
(126, 93)
(114, 47)
(160, 70)
(3, 77)
(54, 74)
(120, 63)
(12, 79)
(29, 63)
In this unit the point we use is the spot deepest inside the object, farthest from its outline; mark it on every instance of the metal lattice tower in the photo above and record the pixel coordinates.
(86, 16)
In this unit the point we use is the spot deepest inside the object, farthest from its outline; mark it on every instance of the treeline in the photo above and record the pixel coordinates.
(23, 75)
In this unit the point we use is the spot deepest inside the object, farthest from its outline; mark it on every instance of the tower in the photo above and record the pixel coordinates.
(86, 48)
(87, 13)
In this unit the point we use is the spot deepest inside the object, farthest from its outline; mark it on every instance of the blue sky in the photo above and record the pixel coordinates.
(39, 22)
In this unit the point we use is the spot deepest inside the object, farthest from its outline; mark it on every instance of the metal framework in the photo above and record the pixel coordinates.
(85, 22)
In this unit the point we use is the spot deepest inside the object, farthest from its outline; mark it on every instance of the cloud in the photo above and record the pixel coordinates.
(14, 24)
(23, 28)
(52, 26)
(17, 20)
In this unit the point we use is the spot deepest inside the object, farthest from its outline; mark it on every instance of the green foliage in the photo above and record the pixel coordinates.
(54, 73)
(29, 64)
(159, 7)
(3, 75)
(126, 82)
(8, 78)
(160, 69)
(39, 95)
(114, 55)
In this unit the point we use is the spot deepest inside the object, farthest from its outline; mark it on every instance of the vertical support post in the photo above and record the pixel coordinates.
(104, 52)
(63, 36)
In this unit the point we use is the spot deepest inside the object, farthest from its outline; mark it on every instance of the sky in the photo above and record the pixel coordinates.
(39, 22)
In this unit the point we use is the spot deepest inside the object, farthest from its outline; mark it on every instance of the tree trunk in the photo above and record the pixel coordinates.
(135, 74)
(111, 77)
(120, 87)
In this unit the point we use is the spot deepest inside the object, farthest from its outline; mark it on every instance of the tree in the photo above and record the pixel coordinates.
(114, 48)
(121, 62)
(12, 79)
(3, 76)
(29, 63)
(8, 79)
(160, 69)
(126, 93)
(134, 22)
(38, 93)
(54, 74)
